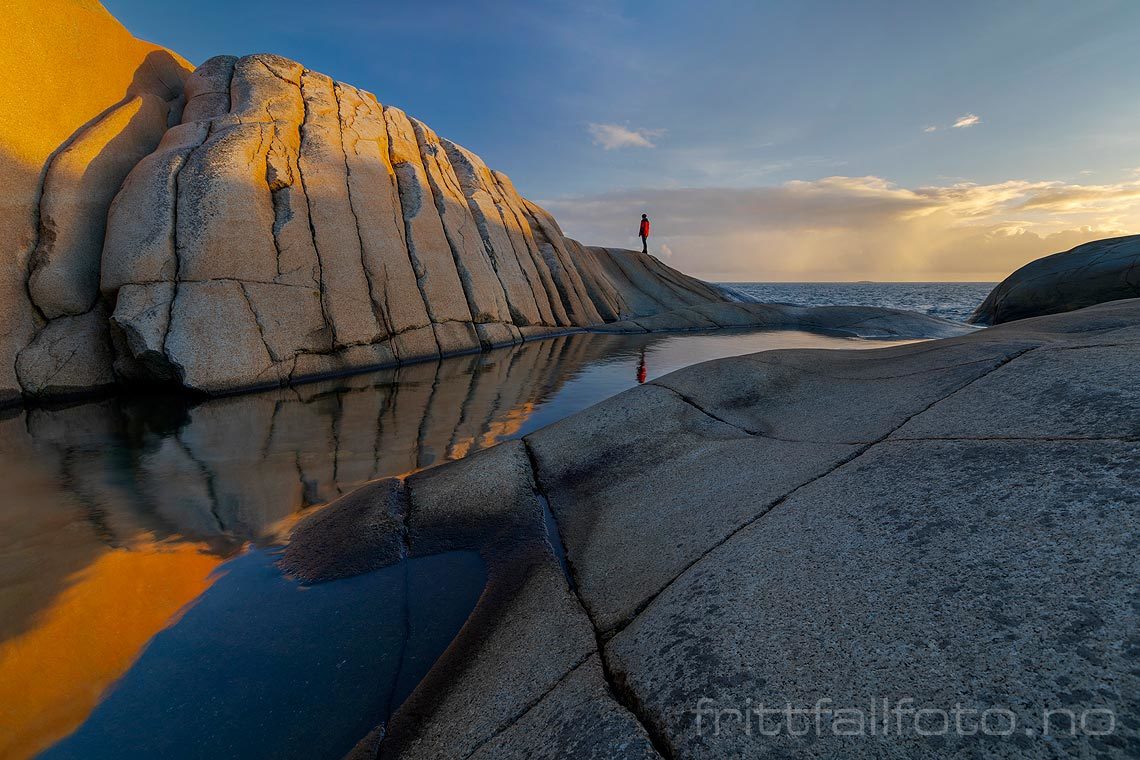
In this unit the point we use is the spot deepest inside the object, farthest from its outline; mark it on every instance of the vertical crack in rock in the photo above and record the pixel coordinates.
(174, 244)
(553, 298)
(485, 182)
(378, 307)
(485, 234)
(410, 203)
(279, 192)
(362, 111)
(619, 688)
(532, 286)
(549, 254)
(541, 220)
(302, 138)
(461, 269)
(397, 222)
(257, 321)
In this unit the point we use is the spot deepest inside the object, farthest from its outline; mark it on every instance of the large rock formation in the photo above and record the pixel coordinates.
(267, 224)
(255, 223)
(84, 102)
(1096, 272)
(945, 525)
(325, 231)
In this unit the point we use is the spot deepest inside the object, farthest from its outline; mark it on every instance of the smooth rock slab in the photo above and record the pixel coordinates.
(659, 484)
(1062, 392)
(833, 395)
(578, 718)
(527, 631)
(981, 574)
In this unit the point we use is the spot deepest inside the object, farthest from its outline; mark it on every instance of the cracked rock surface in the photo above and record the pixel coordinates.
(952, 523)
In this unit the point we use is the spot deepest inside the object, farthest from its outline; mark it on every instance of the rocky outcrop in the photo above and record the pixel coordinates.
(327, 232)
(1096, 272)
(85, 102)
(256, 223)
(946, 523)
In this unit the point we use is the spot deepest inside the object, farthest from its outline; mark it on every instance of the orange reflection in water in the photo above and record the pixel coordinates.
(51, 676)
(507, 424)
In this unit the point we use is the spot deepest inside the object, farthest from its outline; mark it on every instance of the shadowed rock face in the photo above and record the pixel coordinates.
(951, 522)
(1096, 272)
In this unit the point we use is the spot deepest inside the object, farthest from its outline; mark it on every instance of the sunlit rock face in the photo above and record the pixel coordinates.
(293, 226)
(252, 222)
(1096, 272)
(84, 102)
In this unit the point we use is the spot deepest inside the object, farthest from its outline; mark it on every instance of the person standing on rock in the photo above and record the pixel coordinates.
(643, 233)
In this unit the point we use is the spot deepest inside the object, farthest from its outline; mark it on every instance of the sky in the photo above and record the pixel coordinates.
(768, 141)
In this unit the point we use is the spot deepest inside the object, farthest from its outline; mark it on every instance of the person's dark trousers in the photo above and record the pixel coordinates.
(644, 245)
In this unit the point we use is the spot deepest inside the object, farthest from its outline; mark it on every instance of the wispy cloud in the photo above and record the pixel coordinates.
(615, 136)
(860, 227)
(930, 128)
(968, 120)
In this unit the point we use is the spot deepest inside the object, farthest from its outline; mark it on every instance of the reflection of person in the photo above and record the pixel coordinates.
(643, 233)
(641, 367)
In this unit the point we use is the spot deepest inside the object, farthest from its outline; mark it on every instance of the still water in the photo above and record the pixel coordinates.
(141, 612)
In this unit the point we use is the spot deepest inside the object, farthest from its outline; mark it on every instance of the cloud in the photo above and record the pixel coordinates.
(855, 228)
(615, 136)
(930, 128)
(968, 120)
(666, 251)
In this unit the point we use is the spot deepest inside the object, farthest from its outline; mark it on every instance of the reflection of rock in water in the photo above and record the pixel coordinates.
(234, 469)
(330, 661)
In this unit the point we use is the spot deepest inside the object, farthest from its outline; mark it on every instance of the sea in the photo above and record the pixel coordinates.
(949, 300)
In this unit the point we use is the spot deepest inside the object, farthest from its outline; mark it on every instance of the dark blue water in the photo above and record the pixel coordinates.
(262, 666)
(949, 300)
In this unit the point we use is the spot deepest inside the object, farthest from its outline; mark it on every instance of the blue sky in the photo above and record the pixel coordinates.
(672, 103)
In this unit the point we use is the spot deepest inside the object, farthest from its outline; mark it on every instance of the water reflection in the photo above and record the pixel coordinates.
(116, 513)
(300, 675)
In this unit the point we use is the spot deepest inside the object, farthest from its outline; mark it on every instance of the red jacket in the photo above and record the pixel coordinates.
(643, 230)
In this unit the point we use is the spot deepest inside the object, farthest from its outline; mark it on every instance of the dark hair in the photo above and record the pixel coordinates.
(643, 216)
